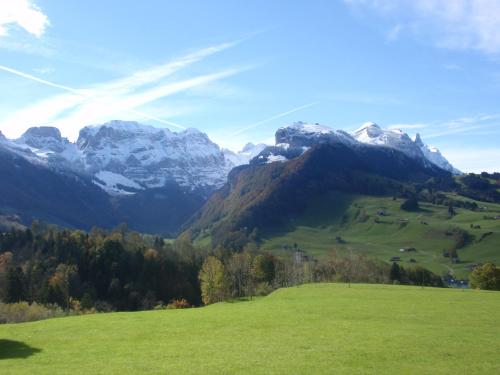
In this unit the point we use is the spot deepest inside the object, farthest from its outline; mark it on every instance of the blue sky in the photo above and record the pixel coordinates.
(239, 70)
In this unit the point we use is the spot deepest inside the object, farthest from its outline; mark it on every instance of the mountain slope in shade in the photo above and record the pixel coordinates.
(34, 191)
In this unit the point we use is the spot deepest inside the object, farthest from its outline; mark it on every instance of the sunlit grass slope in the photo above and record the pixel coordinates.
(313, 329)
(355, 220)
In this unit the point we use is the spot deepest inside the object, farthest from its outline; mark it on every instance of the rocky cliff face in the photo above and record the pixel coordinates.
(146, 157)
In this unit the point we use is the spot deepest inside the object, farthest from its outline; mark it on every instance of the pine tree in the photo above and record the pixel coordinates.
(15, 288)
(395, 274)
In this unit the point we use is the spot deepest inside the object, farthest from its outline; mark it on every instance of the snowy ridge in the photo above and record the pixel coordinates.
(302, 134)
(294, 139)
(371, 133)
(434, 155)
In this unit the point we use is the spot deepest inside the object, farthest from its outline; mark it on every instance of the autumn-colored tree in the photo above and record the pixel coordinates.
(213, 281)
(61, 280)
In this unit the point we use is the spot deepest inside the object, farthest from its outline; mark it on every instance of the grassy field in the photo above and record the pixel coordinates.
(312, 329)
(355, 219)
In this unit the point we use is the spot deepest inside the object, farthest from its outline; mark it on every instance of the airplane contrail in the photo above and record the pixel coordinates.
(254, 125)
(83, 94)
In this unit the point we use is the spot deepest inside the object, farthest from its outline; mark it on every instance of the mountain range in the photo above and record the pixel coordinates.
(155, 179)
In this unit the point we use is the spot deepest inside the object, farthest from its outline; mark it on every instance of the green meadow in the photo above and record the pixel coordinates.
(312, 329)
(355, 219)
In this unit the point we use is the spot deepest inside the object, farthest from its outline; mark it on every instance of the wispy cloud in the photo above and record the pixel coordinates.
(275, 117)
(23, 13)
(463, 125)
(454, 24)
(489, 123)
(101, 101)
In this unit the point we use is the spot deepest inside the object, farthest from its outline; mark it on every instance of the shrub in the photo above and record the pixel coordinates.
(24, 312)
(485, 277)
(178, 304)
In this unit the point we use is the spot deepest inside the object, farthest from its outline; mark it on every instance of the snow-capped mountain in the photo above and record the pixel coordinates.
(434, 155)
(301, 134)
(294, 139)
(124, 157)
(44, 138)
(155, 179)
(244, 156)
(46, 144)
(138, 156)
(371, 133)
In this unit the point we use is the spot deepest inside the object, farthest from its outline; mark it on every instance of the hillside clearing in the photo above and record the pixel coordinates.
(355, 219)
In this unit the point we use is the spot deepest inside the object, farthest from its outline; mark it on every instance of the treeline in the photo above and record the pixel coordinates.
(45, 270)
(115, 270)
(225, 275)
(414, 276)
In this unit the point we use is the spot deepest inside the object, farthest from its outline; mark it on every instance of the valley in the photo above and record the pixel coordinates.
(250, 187)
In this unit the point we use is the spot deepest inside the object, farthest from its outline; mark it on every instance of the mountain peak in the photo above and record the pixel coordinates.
(44, 138)
(368, 125)
(43, 132)
(418, 140)
(309, 128)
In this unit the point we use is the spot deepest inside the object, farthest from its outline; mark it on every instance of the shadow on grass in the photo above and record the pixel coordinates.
(16, 349)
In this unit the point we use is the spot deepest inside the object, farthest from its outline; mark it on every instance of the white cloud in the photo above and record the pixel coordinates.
(23, 13)
(455, 24)
(44, 70)
(107, 100)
